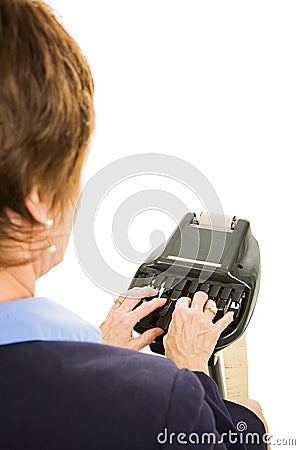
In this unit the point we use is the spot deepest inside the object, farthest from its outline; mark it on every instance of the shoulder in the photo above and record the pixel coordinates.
(96, 387)
(101, 370)
(146, 374)
(101, 364)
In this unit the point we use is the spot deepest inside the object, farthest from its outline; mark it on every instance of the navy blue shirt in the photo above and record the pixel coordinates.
(60, 388)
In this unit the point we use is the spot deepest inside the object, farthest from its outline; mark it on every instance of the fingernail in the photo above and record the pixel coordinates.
(160, 299)
(159, 332)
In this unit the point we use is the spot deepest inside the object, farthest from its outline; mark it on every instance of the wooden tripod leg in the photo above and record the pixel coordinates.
(236, 370)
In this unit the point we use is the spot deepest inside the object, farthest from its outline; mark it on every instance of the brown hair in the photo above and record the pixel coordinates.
(46, 111)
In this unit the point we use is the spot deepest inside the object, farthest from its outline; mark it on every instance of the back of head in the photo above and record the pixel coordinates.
(46, 111)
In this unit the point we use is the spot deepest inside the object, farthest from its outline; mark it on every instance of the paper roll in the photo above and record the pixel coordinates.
(212, 220)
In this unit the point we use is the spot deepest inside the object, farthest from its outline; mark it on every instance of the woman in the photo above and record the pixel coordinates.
(60, 388)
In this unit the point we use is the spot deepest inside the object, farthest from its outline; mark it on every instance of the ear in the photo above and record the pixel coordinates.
(36, 205)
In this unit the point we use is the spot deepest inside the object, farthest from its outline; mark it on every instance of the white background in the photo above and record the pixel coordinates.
(218, 84)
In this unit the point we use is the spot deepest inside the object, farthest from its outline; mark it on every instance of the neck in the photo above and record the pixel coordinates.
(17, 283)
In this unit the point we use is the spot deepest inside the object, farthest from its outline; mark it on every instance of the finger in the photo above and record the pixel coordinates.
(146, 338)
(132, 297)
(210, 309)
(183, 302)
(118, 301)
(146, 308)
(199, 300)
(146, 291)
(223, 323)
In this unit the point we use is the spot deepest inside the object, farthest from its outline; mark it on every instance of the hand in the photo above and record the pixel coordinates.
(192, 336)
(118, 326)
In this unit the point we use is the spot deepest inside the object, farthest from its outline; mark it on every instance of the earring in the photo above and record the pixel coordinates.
(52, 249)
(49, 224)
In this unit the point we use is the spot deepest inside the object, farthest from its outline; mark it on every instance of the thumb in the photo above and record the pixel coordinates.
(224, 322)
(147, 337)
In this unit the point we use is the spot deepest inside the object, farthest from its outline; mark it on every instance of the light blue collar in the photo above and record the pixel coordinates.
(41, 319)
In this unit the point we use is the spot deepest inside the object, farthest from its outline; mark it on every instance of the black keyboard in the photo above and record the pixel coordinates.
(232, 281)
